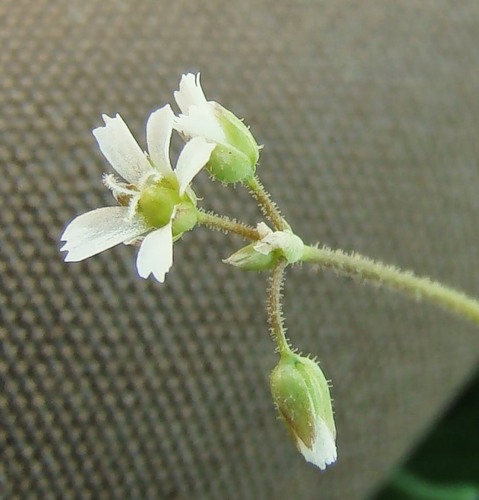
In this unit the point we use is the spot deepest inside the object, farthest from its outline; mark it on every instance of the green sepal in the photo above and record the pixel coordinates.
(185, 219)
(228, 164)
(237, 133)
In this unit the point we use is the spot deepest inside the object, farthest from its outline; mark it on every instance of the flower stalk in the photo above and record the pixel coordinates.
(226, 225)
(268, 207)
(274, 307)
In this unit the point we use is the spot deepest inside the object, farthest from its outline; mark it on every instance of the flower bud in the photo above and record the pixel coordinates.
(251, 260)
(301, 394)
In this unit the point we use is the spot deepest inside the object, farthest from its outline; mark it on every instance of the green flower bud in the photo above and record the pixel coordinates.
(301, 394)
(249, 259)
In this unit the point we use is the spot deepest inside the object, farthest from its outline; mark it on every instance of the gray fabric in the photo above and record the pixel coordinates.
(115, 387)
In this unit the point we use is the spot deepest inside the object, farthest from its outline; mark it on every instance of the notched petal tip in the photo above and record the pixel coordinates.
(120, 148)
(190, 92)
(108, 119)
(98, 230)
(155, 256)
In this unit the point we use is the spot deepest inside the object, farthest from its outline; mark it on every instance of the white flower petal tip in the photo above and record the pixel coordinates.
(323, 451)
(120, 148)
(98, 230)
(198, 116)
(263, 229)
(158, 136)
(108, 119)
(190, 92)
(156, 254)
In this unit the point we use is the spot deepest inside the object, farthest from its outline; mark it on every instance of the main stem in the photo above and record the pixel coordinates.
(405, 281)
(275, 313)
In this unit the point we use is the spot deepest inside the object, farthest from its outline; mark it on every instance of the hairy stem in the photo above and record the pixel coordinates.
(227, 225)
(404, 281)
(275, 313)
(268, 207)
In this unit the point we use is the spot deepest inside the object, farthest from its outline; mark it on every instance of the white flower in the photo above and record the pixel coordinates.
(236, 154)
(153, 199)
(290, 245)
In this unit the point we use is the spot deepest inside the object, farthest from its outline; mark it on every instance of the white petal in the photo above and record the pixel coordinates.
(158, 135)
(98, 230)
(156, 254)
(323, 451)
(121, 150)
(291, 246)
(263, 229)
(192, 159)
(200, 121)
(263, 248)
(190, 93)
(272, 241)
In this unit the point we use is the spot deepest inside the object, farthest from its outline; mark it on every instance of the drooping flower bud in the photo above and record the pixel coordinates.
(236, 153)
(301, 394)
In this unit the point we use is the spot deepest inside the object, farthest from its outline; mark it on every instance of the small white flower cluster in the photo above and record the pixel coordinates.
(153, 196)
(157, 205)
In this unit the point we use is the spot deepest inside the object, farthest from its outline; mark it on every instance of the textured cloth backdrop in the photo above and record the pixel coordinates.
(116, 387)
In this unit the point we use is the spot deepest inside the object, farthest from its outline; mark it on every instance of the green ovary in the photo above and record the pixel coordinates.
(157, 203)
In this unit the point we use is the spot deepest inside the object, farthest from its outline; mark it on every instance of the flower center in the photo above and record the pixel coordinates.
(158, 200)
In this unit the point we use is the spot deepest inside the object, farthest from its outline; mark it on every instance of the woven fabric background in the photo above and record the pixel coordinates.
(116, 387)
